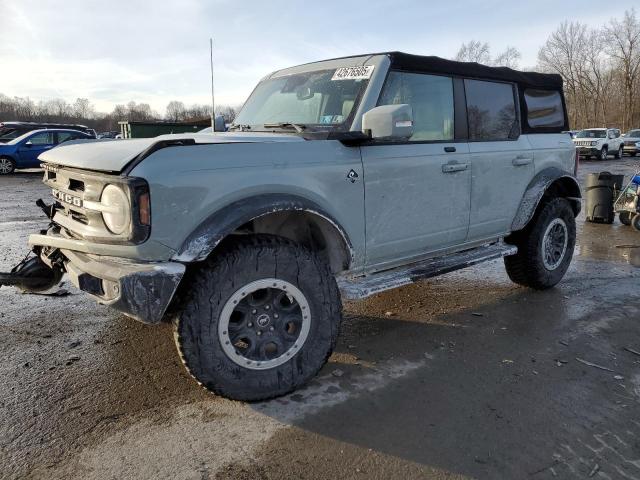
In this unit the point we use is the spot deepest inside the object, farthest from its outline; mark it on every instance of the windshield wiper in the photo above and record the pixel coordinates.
(239, 126)
(296, 126)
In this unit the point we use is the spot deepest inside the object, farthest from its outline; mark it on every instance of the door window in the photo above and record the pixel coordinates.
(430, 97)
(65, 136)
(491, 111)
(44, 138)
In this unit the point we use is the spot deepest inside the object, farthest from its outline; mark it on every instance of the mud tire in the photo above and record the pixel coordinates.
(238, 264)
(527, 267)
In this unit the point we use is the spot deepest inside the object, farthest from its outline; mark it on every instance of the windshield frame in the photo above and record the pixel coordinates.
(342, 127)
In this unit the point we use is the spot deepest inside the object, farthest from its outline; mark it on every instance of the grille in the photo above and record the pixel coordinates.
(583, 143)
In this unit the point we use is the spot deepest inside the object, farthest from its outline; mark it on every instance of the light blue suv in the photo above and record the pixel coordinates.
(23, 152)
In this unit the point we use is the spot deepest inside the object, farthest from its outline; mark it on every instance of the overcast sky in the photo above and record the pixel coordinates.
(154, 51)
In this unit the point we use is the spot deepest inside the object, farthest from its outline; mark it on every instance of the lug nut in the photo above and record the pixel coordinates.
(259, 333)
(271, 329)
(266, 307)
(250, 324)
(275, 315)
(254, 311)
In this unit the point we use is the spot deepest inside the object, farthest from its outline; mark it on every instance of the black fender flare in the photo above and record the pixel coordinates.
(204, 239)
(550, 178)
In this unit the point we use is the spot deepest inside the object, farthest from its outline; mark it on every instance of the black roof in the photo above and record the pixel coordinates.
(432, 64)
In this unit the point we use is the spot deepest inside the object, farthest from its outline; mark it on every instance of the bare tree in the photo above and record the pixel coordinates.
(509, 58)
(474, 51)
(623, 44)
(175, 111)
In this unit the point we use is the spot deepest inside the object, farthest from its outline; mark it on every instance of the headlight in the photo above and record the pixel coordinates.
(593, 144)
(638, 144)
(117, 211)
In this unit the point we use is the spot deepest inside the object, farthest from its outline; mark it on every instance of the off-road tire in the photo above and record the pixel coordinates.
(527, 267)
(604, 153)
(625, 218)
(619, 152)
(249, 259)
(635, 222)
(4, 170)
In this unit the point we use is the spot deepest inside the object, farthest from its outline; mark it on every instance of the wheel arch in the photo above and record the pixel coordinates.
(290, 216)
(550, 183)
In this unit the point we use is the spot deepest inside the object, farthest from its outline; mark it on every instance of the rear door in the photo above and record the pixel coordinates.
(501, 158)
(417, 191)
(33, 146)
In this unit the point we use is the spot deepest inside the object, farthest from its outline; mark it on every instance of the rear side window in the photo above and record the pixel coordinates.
(544, 108)
(431, 99)
(491, 111)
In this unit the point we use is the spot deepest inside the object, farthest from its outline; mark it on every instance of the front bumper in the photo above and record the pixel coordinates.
(630, 149)
(142, 291)
(588, 151)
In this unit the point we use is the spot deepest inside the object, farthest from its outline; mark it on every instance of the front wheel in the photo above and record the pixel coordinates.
(7, 165)
(545, 246)
(604, 153)
(619, 152)
(260, 320)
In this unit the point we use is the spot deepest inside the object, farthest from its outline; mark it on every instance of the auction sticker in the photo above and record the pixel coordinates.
(353, 73)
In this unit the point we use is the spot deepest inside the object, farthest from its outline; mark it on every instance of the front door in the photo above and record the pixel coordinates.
(32, 147)
(416, 192)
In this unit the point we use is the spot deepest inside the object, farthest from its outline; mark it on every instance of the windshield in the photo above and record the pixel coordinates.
(633, 133)
(592, 134)
(19, 139)
(8, 133)
(321, 99)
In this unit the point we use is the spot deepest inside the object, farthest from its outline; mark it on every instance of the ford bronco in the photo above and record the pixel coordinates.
(338, 179)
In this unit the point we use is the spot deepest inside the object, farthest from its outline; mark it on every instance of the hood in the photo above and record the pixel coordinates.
(113, 155)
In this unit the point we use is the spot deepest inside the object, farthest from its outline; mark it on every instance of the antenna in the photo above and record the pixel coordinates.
(213, 103)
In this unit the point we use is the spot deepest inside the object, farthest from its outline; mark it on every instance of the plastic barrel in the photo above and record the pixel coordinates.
(600, 196)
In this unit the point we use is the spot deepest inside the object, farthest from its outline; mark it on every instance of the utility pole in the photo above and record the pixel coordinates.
(213, 103)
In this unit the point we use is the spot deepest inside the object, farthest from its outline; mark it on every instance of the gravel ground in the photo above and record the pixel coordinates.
(462, 376)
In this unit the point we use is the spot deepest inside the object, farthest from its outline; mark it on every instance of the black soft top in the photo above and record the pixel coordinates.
(432, 64)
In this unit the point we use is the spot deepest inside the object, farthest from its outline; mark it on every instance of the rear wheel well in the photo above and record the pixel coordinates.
(565, 188)
(306, 228)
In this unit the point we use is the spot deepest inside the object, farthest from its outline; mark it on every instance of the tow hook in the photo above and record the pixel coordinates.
(34, 275)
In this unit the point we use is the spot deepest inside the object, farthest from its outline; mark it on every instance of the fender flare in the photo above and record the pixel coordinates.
(204, 239)
(568, 187)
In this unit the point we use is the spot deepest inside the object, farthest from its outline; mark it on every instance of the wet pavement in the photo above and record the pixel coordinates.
(462, 376)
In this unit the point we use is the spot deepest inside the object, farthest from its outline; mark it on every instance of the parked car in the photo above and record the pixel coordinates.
(23, 152)
(632, 142)
(249, 239)
(12, 130)
(599, 143)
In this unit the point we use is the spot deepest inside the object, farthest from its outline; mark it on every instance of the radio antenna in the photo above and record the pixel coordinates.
(213, 103)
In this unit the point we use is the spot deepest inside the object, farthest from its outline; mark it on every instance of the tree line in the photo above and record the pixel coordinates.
(600, 68)
(82, 111)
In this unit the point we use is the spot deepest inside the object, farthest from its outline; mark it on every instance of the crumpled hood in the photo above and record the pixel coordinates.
(114, 155)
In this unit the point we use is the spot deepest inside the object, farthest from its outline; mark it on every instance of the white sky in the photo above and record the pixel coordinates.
(115, 51)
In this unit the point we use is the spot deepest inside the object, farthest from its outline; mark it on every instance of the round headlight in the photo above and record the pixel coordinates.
(117, 212)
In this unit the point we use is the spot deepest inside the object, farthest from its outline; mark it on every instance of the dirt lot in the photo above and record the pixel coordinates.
(463, 376)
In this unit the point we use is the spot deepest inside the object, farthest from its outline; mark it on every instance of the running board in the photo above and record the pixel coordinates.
(354, 288)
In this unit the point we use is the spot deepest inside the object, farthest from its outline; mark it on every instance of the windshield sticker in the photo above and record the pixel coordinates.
(330, 119)
(353, 73)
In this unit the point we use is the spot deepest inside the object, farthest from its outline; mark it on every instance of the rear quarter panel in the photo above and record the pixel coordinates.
(553, 150)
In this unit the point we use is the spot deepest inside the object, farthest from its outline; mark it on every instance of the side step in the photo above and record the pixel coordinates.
(354, 288)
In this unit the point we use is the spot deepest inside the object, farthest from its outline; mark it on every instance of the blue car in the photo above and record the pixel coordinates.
(23, 152)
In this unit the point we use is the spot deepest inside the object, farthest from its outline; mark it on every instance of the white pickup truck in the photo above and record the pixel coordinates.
(599, 143)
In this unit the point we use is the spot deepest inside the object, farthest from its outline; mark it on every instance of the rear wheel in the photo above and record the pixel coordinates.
(545, 246)
(625, 218)
(260, 320)
(7, 165)
(604, 153)
(619, 152)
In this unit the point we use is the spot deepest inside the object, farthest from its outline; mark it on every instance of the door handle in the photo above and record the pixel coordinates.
(449, 149)
(521, 160)
(454, 167)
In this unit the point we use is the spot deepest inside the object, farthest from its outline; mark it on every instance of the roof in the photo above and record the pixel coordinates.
(438, 65)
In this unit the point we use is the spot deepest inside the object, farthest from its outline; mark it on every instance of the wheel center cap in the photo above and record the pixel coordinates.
(263, 320)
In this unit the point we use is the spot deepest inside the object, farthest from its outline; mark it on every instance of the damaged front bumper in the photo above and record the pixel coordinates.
(142, 291)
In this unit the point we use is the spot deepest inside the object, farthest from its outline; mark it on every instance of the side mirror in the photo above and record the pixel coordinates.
(389, 121)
